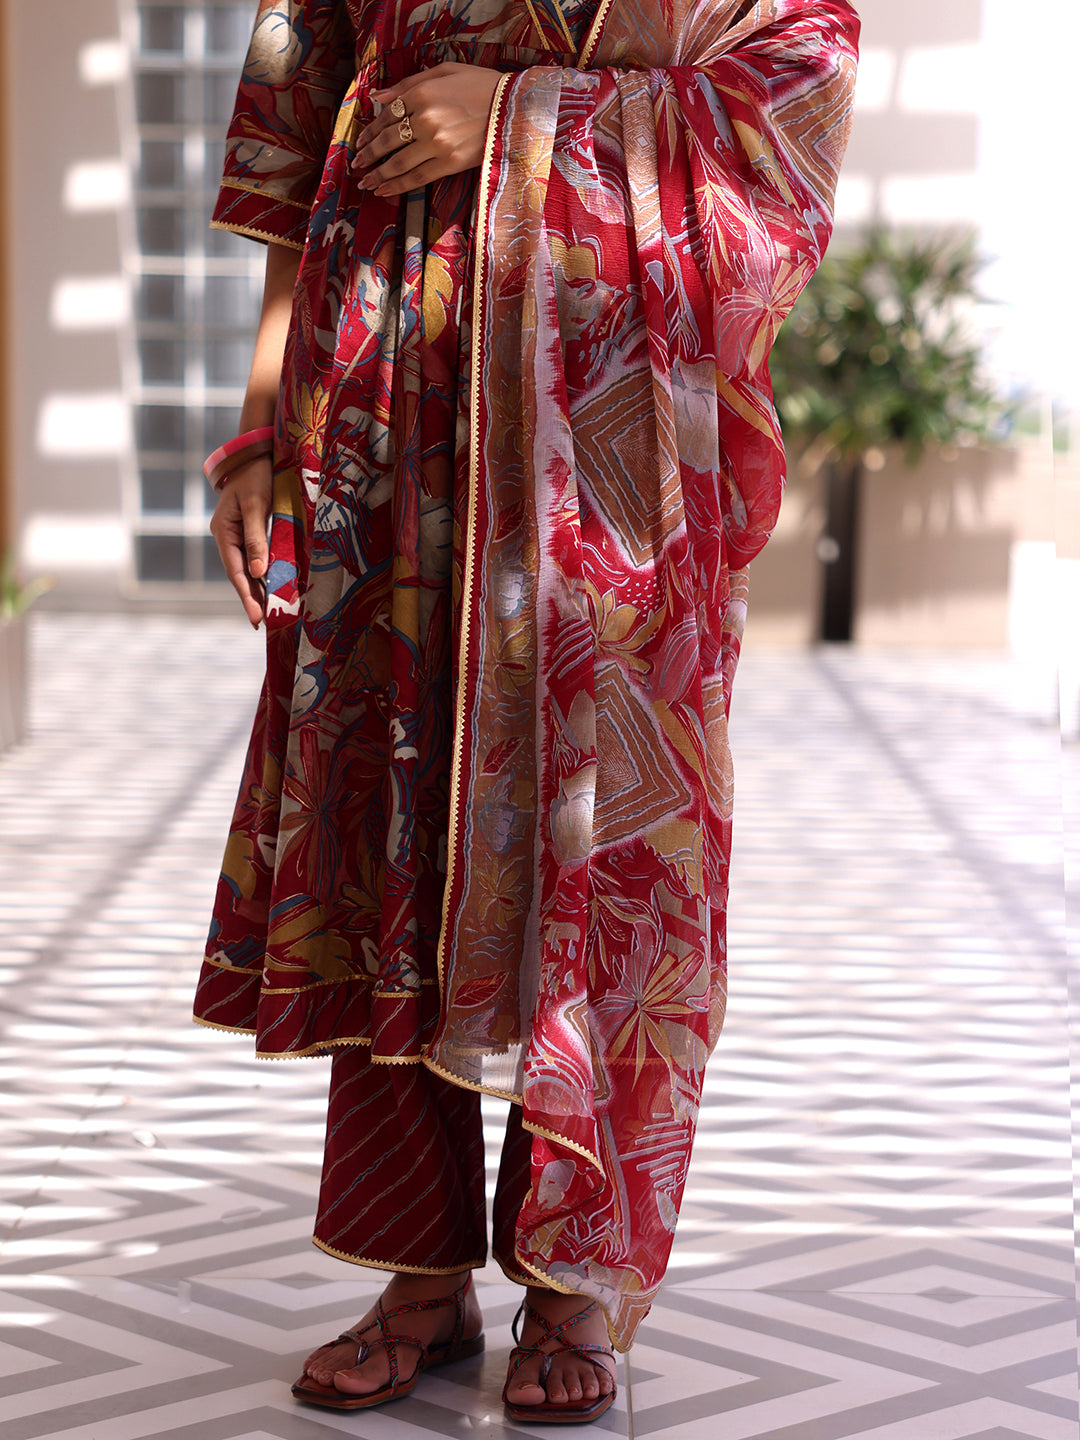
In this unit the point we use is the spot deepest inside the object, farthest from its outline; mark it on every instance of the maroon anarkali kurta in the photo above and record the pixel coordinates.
(526, 444)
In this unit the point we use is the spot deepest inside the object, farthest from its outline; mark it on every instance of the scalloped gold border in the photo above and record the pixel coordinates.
(592, 39)
(254, 188)
(397, 1269)
(254, 234)
(468, 581)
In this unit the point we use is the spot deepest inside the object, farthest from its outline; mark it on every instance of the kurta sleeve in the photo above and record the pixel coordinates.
(298, 68)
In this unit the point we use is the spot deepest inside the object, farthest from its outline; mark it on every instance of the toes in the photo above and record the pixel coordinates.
(354, 1382)
(527, 1392)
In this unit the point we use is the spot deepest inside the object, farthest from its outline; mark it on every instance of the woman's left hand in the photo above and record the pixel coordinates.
(448, 108)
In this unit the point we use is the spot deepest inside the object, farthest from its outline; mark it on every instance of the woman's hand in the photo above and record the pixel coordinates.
(447, 108)
(239, 527)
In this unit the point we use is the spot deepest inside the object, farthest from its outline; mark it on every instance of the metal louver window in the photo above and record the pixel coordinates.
(195, 291)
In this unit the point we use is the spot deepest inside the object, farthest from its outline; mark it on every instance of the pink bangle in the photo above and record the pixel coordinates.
(235, 453)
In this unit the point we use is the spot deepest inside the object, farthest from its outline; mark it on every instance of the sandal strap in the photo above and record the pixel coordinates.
(520, 1353)
(414, 1307)
(585, 1348)
(551, 1331)
(390, 1340)
(589, 1349)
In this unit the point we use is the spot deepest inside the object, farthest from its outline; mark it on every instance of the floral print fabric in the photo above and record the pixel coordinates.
(525, 447)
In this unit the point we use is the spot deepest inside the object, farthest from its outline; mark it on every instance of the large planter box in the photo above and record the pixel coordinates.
(938, 554)
(13, 681)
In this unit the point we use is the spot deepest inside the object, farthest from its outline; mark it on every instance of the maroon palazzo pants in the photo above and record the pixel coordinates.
(403, 1172)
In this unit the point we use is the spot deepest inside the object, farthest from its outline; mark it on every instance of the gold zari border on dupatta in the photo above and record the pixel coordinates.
(514, 1099)
(469, 584)
(592, 39)
(468, 579)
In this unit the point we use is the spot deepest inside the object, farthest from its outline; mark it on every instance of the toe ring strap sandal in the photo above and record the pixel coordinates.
(571, 1413)
(456, 1348)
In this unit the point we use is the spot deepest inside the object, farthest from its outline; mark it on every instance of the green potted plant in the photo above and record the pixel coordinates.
(15, 600)
(880, 353)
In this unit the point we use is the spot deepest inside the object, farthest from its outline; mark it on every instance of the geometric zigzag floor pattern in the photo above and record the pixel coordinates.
(879, 1235)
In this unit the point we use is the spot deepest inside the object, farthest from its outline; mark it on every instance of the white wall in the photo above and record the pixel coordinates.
(963, 117)
(67, 190)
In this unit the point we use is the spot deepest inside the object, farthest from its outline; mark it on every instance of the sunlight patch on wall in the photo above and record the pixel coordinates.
(876, 77)
(89, 302)
(53, 542)
(854, 199)
(942, 80)
(91, 185)
(83, 426)
(103, 62)
(932, 199)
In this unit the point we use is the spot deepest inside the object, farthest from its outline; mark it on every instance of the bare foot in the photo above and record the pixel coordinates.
(335, 1364)
(571, 1379)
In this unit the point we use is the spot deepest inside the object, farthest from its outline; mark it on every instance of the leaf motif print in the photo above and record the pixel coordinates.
(438, 295)
(499, 755)
(481, 992)
(644, 1015)
(307, 415)
(686, 198)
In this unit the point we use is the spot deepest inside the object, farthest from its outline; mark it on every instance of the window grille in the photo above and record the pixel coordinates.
(195, 291)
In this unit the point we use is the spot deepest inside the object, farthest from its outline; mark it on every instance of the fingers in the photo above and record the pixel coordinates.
(382, 135)
(239, 529)
(390, 167)
(382, 160)
(447, 107)
(377, 140)
(406, 171)
(256, 550)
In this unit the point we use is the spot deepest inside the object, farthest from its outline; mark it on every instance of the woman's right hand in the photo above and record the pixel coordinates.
(239, 527)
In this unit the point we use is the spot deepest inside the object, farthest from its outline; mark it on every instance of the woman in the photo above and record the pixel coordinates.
(526, 261)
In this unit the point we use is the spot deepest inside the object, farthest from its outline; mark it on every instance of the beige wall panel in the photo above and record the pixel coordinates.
(920, 22)
(936, 544)
(59, 124)
(885, 145)
(785, 579)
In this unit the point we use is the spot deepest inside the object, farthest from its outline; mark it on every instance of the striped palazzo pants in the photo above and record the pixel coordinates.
(403, 1172)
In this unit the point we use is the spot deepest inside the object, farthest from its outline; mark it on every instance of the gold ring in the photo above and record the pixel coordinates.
(397, 108)
(405, 130)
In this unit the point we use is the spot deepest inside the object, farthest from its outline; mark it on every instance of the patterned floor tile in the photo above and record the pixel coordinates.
(819, 1366)
(878, 1238)
(124, 1357)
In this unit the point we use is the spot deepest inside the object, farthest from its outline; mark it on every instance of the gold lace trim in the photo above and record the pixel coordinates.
(256, 234)
(252, 187)
(398, 1269)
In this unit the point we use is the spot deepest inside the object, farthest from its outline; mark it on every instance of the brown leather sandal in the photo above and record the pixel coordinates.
(456, 1348)
(548, 1414)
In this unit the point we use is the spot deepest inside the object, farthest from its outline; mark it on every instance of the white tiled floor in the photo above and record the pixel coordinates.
(878, 1235)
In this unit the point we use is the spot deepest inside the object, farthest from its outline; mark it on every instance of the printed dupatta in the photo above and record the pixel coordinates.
(646, 221)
